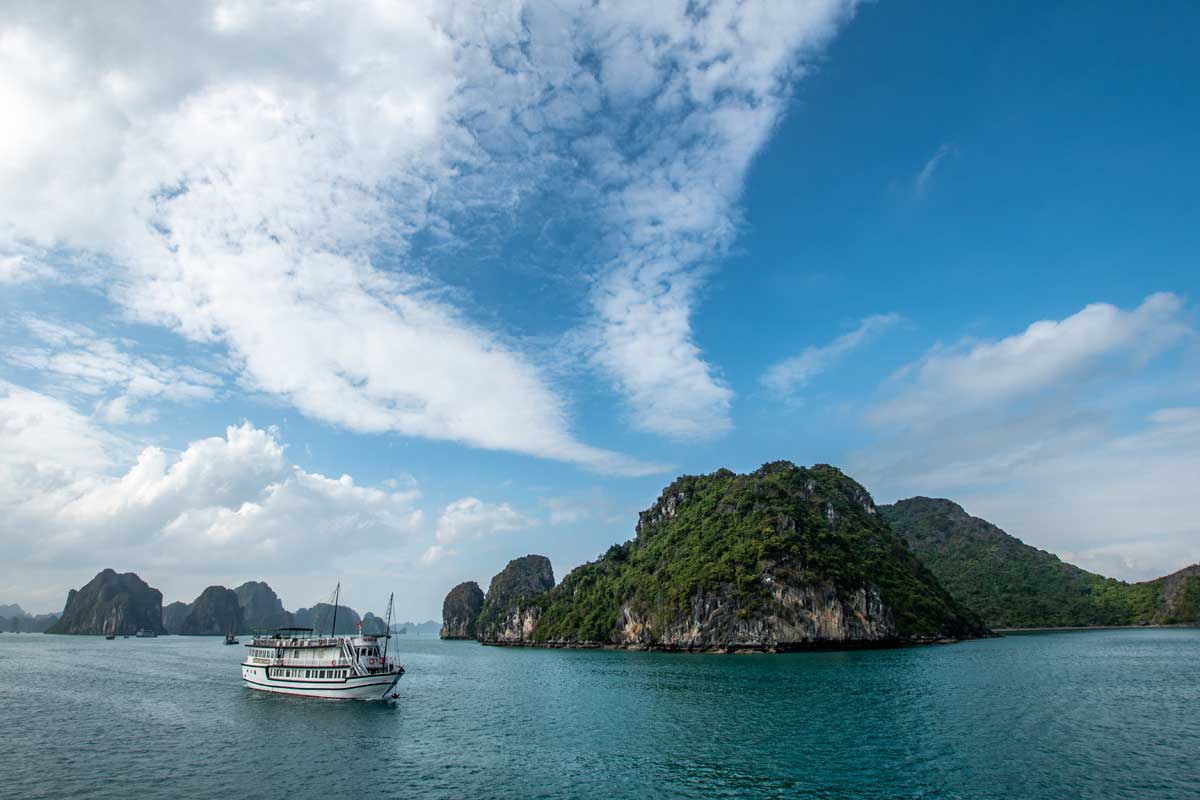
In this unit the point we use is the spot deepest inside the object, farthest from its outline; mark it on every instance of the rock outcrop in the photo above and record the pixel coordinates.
(783, 558)
(111, 603)
(460, 610)
(320, 617)
(174, 615)
(512, 605)
(372, 625)
(262, 609)
(214, 613)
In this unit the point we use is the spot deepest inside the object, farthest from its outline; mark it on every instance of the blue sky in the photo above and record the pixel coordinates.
(511, 272)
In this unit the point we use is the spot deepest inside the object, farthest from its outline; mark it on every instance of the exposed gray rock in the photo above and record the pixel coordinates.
(215, 612)
(511, 607)
(372, 625)
(261, 608)
(111, 603)
(460, 610)
(174, 615)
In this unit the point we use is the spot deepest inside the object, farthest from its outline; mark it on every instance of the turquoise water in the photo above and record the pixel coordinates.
(1090, 714)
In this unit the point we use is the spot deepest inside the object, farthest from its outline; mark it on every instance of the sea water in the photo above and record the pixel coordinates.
(1112, 714)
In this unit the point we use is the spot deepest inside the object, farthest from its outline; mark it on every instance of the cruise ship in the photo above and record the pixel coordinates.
(299, 661)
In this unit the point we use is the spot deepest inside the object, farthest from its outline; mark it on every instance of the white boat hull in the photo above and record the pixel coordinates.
(359, 687)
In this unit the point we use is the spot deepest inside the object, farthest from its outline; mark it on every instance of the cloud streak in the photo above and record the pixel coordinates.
(925, 176)
(85, 364)
(794, 373)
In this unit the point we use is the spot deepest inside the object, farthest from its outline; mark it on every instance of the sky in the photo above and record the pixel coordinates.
(391, 293)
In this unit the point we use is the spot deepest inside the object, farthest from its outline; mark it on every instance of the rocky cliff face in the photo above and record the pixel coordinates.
(512, 605)
(372, 625)
(460, 609)
(782, 558)
(262, 609)
(806, 615)
(214, 613)
(111, 603)
(174, 615)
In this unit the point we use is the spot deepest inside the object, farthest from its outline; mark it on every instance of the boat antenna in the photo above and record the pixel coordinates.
(388, 627)
(336, 594)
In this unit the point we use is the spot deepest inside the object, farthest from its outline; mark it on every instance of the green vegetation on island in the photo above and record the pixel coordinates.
(781, 558)
(1013, 585)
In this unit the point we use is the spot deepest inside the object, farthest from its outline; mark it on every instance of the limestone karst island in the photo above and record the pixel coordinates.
(792, 558)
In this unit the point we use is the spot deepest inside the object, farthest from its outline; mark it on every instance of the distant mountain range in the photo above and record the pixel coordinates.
(1013, 585)
(718, 556)
(427, 628)
(14, 619)
(123, 604)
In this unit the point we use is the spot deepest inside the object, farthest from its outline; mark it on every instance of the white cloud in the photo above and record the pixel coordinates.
(1048, 355)
(46, 443)
(467, 519)
(793, 373)
(1121, 507)
(1041, 433)
(228, 503)
(241, 170)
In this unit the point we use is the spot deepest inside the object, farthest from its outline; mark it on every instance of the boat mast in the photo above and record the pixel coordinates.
(388, 629)
(336, 594)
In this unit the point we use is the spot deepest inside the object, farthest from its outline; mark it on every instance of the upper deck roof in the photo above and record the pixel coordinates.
(305, 638)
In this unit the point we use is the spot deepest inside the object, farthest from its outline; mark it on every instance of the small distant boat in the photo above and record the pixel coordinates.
(299, 661)
(146, 633)
(230, 638)
(112, 632)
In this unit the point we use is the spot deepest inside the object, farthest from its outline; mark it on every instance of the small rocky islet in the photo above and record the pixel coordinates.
(460, 610)
(792, 558)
